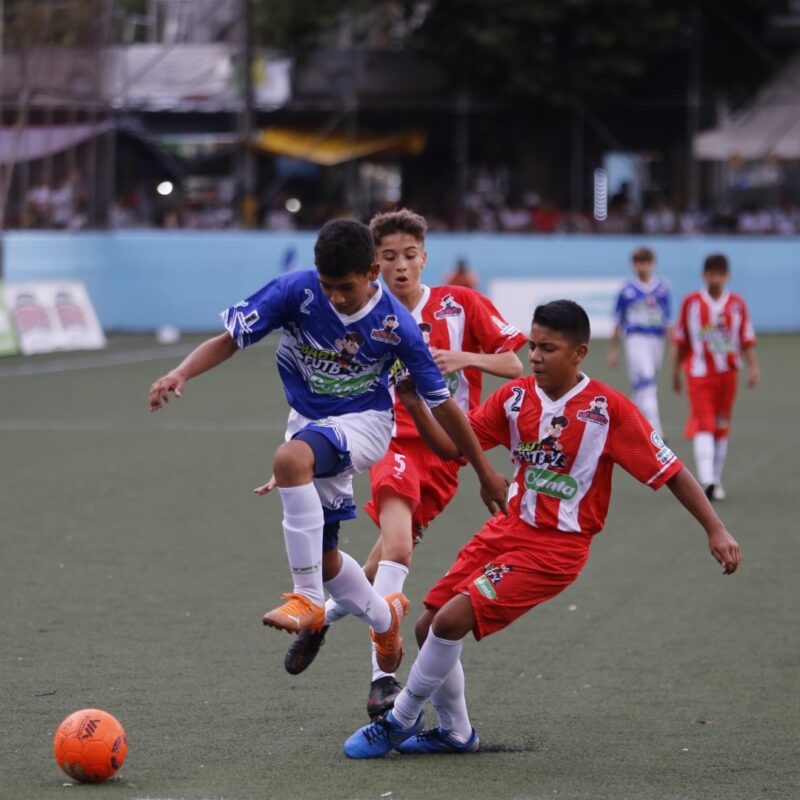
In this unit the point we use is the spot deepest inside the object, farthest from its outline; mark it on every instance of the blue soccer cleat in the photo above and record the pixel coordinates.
(438, 740)
(379, 737)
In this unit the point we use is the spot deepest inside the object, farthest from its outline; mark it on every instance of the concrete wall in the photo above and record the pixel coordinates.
(139, 280)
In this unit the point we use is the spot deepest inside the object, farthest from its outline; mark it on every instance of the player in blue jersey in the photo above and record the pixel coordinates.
(341, 334)
(643, 314)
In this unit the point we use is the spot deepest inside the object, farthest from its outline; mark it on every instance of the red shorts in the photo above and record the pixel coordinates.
(711, 404)
(509, 567)
(410, 470)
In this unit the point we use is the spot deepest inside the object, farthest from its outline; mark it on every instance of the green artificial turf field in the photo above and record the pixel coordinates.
(136, 562)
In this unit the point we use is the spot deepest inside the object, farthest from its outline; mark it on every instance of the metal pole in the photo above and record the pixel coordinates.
(693, 111)
(248, 210)
(461, 153)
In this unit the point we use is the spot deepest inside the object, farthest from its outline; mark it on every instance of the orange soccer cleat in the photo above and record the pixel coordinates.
(297, 614)
(389, 644)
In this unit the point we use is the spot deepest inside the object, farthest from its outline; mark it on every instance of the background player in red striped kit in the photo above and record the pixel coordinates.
(558, 501)
(713, 335)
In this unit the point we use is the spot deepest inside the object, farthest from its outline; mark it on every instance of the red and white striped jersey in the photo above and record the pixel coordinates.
(459, 318)
(715, 332)
(564, 451)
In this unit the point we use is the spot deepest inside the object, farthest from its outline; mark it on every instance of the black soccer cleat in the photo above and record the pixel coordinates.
(303, 650)
(382, 694)
(709, 490)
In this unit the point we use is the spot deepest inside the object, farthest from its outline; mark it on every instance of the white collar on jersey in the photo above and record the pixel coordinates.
(719, 303)
(564, 399)
(362, 312)
(416, 312)
(646, 287)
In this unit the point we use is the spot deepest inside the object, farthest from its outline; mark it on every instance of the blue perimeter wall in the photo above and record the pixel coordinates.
(141, 280)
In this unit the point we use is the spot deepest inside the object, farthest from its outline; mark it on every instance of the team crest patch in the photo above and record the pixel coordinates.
(664, 454)
(492, 575)
(597, 411)
(448, 308)
(390, 324)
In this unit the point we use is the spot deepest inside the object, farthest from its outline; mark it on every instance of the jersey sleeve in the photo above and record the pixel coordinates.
(747, 333)
(489, 420)
(639, 450)
(619, 308)
(679, 333)
(416, 358)
(250, 320)
(666, 304)
(490, 329)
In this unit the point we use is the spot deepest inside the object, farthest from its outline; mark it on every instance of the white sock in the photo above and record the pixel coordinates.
(302, 534)
(704, 457)
(333, 611)
(450, 703)
(720, 454)
(647, 400)
(355, 594)
(389, 578)
(434, 663)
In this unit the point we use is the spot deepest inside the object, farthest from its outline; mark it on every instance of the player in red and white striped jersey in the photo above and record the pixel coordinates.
(565, 432)
(712, 337)
(467, 336)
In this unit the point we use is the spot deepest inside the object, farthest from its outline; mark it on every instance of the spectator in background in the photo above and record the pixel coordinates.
(658, 217)
(785, 218)
(515, 217)
(462, 275)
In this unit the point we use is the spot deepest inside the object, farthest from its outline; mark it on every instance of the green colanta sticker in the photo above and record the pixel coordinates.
(484, 586)
(451, 379)
(553, 484)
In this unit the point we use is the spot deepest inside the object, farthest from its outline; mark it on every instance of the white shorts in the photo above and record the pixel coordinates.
(644, 354)
(364, 436)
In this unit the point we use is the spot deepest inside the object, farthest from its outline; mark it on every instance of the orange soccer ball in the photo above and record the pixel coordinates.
(90, 745)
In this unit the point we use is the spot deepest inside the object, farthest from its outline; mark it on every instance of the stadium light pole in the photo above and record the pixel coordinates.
(248, 203)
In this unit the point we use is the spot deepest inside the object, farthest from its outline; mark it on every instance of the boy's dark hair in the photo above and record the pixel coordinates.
(344, 246)
(716, 262)
(643, 254)
(400, 221)
(560, 420)
(565, 316)
(354, 336)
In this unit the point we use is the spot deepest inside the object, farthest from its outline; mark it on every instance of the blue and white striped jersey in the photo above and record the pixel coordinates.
(332, 364)
(644, 308)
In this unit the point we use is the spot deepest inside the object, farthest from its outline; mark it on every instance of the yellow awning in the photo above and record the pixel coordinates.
(339, 146)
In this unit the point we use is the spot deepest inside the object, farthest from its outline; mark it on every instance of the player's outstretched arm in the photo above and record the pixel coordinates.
(678, 355)
(431, 432)
(203, 358)
(494, 486)
(721, 544)
(503, 365)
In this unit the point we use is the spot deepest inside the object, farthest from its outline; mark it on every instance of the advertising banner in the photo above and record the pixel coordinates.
(516, 299)
(8, 340)
(53, 316)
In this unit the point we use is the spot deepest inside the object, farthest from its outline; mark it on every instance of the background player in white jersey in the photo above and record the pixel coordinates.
(713, 335)
(467, 336)
(558, 502)
(643, 313)
(341, 333)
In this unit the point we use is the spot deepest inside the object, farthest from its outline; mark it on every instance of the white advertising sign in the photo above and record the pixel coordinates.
(516, 299)
(53, 316)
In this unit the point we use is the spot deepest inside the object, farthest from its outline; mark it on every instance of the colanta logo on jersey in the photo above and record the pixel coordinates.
(597, 411)
(448, 308)
(717, 338)
(390, 324)
(547, 452)
(553, 484)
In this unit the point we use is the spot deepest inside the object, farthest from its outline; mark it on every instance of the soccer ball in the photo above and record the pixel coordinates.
(90, 745)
